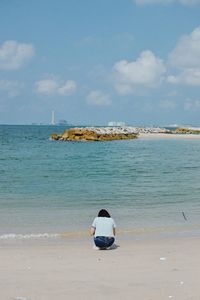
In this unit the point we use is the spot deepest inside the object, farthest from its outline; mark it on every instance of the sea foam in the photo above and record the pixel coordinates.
(10, 236)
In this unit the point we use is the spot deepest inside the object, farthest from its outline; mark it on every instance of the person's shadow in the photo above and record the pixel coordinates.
(113, 247)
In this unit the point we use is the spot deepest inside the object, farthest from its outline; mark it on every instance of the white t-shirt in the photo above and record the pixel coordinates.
(104, 226)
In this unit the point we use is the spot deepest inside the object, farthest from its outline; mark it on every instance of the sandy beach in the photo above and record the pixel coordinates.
(169, 136)
(151, 269)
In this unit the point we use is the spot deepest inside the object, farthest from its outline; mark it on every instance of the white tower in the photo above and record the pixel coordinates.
(53, 118)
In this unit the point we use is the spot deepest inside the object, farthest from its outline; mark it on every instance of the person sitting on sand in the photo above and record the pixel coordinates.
(103, 230)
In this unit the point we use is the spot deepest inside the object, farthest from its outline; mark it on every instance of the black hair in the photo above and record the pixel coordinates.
(104, 213)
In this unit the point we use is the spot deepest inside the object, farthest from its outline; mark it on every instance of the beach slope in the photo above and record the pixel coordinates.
(155, 269)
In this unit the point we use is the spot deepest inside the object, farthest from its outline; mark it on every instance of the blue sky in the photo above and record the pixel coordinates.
(95, 61)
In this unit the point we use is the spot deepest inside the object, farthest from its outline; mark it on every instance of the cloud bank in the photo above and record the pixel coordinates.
(14, 55)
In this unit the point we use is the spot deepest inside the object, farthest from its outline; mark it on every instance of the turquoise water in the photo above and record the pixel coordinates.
(54, 187)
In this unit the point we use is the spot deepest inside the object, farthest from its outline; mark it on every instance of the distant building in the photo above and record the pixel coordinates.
(117, 124)
(63, 122)
(52, 117)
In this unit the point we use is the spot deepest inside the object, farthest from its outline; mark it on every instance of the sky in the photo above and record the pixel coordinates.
(95, 61)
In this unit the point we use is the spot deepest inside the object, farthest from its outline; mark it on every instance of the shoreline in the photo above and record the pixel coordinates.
(169, 136)
(155, 269)
(135, 233)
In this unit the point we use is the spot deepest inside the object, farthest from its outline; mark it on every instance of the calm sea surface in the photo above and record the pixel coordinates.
(54, 187)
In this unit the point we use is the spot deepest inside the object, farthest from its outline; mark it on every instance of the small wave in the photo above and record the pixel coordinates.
(20, 236)
(11, 236)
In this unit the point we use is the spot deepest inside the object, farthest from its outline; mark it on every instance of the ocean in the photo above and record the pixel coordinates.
(49, 188)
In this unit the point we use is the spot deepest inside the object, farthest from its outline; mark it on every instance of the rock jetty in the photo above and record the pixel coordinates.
(105, 133)
(96, 134)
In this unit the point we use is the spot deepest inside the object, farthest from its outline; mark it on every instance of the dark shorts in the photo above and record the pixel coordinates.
(103, 241)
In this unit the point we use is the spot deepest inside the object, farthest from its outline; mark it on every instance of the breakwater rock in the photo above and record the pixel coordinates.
(187, 131)
(96, 134)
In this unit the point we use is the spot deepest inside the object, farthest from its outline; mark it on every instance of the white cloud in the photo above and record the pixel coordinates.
(46, 86)
(98, 98)
(67, 88)
(10, 88)
(189, 77)
(187, 51)
(186, 58)
(147, 71)
(165, 2)
(53, 86)
(14, 55)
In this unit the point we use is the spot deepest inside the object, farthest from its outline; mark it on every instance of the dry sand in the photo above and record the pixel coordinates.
(61, 269)
(169, 136)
